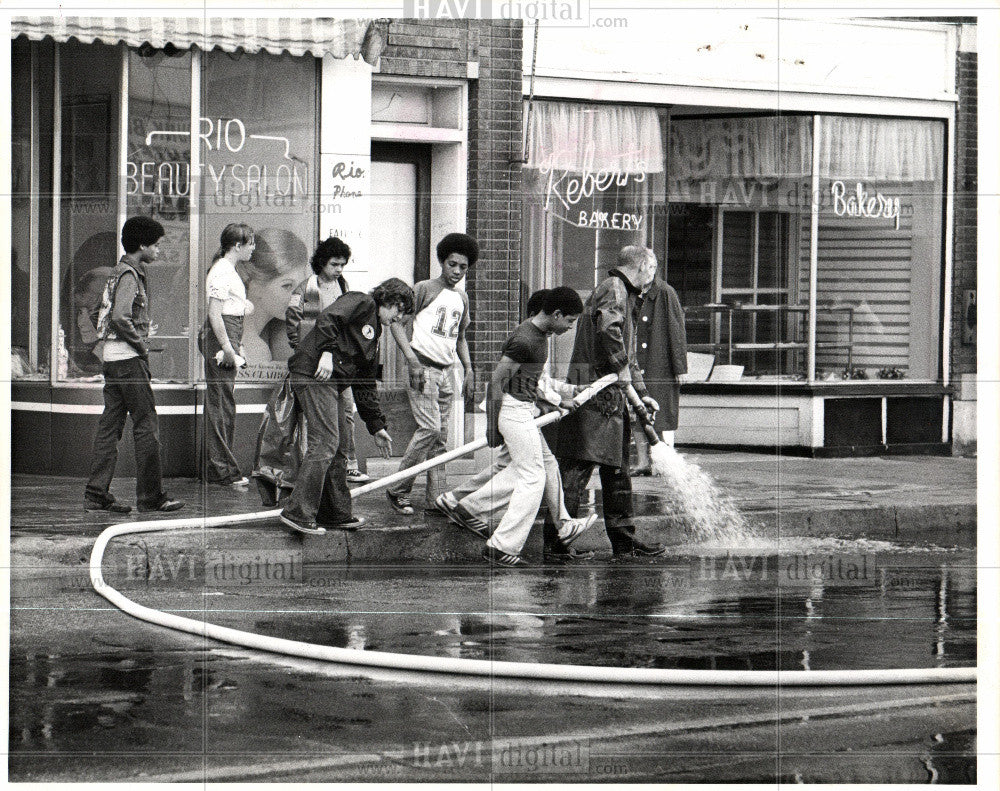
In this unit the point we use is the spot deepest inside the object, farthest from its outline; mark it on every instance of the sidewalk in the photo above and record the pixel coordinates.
(905, 499)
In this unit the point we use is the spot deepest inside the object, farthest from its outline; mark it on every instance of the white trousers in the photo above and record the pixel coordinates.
(521, 483)
(553, 498)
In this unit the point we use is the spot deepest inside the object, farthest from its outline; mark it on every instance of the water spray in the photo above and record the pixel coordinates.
(699, 505)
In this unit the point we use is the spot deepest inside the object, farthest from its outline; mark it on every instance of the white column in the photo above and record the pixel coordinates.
(813, 256)
(345, 160)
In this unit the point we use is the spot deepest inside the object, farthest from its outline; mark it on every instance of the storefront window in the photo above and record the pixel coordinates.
(20, 264)
(736, 210)
(157, 184)
(88, 211)
(880, 247)
(258, 154)
(594, 183)
(739, 244)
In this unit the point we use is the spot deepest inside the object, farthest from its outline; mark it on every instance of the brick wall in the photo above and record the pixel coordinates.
(444, 48)
(966, 184)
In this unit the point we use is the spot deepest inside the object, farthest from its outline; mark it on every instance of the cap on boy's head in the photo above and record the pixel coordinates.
(140, 231)
(564, 299)
(535, 302)
(458, 243)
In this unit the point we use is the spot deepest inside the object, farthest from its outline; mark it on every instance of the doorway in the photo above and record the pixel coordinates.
(400, 228)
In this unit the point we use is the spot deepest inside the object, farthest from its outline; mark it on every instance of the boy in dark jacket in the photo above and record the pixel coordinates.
(340, 351)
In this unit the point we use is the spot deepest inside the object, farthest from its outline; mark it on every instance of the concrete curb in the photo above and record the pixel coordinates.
(162, 554)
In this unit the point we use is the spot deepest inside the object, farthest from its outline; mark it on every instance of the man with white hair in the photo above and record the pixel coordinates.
(598, 433)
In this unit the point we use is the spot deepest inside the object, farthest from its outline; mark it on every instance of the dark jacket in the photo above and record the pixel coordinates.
(124, 311)
(662, 350)
(604, 344)
(302, 310)
(349, 329)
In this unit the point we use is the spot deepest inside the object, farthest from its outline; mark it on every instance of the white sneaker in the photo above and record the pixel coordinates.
(356, 476)
(572, 529)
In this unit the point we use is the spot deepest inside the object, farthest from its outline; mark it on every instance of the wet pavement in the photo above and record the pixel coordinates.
(97, 695)
(864, 563)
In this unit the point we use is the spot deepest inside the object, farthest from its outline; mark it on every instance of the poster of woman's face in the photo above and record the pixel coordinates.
(279, 263)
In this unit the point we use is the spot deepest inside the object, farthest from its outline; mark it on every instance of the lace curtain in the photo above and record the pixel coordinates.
(752, 148)
(877, 149)
(594, 137)
(881, 149)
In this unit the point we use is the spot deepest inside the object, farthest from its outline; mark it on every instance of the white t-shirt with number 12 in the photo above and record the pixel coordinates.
(440, 312)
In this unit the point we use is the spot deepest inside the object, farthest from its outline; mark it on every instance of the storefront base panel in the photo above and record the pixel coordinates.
(52, 429)
(818, 421)
(749, 420)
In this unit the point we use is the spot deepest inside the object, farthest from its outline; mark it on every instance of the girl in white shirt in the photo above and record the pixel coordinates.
(221, 344)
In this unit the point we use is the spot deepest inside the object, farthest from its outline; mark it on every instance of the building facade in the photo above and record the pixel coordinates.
(387, 133)
(813, 204)
(811, 198)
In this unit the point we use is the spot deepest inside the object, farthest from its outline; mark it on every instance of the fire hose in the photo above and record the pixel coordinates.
(476, 667)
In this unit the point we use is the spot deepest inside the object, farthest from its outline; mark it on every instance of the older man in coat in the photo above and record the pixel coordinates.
(661, 350)
(598, 433)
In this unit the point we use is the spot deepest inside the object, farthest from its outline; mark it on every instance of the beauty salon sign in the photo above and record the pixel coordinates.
(862, 203)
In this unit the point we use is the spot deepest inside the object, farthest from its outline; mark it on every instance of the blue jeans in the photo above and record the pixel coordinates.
(321, 493)
(431, 409)
(127, 391)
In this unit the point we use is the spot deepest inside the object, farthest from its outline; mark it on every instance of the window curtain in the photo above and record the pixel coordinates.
(750, 148)
(594, 138)
(883, 149)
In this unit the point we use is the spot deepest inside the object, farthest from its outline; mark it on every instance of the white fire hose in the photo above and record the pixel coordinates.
(478, 667)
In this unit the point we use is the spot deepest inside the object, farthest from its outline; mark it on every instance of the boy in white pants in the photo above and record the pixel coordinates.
(471, 513)
(510, 413)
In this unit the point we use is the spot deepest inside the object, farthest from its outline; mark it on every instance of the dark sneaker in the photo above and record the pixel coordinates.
(400, 503)
(348, 524)
(460, 515)
(166, 506)
(558, 553)
(497, 558)
(356, 476)
(114, 507)
(301, 526)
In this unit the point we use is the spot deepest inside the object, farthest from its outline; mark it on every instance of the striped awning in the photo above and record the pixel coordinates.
(296, 35)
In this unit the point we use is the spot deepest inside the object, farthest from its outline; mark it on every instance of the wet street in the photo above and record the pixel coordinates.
(98, 695)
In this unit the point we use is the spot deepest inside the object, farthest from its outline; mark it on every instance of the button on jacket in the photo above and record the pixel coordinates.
(349, 329)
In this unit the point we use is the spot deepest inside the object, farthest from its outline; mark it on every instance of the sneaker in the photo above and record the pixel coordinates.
(309, 528)
(574, 529)
(558, 554)
(114, 507)
(400, 503)
(166, 506)
(348, 524)
(497, 558)
(460, 515)
(356, 476)
(241, 483)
